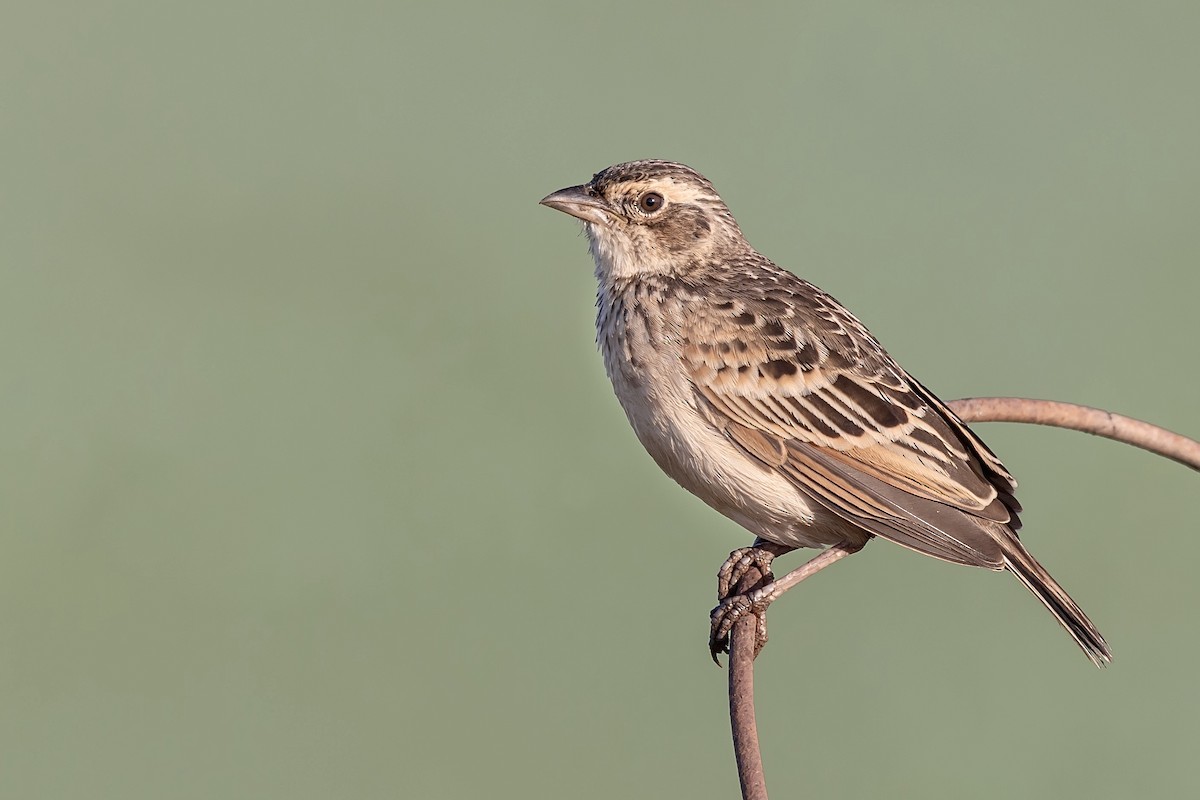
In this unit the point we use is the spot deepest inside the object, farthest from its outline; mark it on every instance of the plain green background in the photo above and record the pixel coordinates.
(312, 484)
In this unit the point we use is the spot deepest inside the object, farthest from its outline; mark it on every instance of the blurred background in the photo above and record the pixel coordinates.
(312, 484)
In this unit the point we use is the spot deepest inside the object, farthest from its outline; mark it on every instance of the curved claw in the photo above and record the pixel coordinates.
(730, 610)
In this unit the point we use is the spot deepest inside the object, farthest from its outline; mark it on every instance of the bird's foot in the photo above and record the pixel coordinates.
(739, 564)
(744, 586)
(741, 573)
(732, 609)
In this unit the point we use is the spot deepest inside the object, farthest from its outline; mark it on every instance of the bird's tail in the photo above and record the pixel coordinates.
(1020, 563)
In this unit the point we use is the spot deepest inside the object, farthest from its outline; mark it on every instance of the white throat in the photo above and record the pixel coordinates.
(613, 253)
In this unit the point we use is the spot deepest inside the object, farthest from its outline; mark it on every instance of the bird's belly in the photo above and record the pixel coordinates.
(701, 459)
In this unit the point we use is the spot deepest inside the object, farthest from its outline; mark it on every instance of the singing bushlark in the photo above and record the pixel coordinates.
(767, 399)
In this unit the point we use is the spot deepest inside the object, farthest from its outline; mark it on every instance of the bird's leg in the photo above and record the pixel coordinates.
(731, 608)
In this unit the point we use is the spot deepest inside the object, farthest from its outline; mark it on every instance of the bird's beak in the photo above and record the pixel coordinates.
(578, 202)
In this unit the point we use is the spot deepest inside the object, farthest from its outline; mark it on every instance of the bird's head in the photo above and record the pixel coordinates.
(650, 217)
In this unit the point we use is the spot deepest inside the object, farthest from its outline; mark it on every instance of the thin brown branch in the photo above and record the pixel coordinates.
(742, 643)
(1095, 421)
(975, 409)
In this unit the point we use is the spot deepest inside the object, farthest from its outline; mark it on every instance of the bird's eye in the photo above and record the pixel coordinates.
(651, 202)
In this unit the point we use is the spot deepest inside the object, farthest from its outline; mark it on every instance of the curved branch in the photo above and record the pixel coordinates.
(973, 409)
(1095, 421)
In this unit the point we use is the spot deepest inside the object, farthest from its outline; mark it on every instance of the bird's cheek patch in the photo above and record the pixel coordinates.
(681, 230)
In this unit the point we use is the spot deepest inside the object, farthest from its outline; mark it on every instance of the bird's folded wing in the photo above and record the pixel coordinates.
(811, 394)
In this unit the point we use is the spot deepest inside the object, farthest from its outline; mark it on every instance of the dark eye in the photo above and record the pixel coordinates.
(650, 202)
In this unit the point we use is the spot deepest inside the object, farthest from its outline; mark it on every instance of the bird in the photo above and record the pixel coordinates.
(770, 401)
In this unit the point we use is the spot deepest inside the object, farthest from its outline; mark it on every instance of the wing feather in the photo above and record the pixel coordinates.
(799, 384)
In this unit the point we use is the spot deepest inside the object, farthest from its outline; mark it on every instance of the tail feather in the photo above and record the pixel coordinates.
(1035, 577)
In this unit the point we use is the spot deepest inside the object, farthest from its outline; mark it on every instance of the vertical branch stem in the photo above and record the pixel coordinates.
(742, 643)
